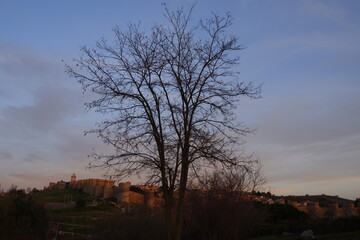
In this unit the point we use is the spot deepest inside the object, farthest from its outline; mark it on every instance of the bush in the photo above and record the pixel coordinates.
(338, 225)
(21, 217)
(221, 218)
(285, 218)
(285, 212)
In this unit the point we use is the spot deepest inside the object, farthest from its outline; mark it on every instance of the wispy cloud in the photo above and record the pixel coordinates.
(42, 119)
(334, 179)
(326, 9)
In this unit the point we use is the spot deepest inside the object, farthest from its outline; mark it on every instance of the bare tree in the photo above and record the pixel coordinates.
(170, 95)
(219, 204)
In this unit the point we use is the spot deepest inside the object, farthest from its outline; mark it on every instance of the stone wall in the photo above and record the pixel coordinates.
(103, 188)
(108, 189)
(122, 193)
(137, 198)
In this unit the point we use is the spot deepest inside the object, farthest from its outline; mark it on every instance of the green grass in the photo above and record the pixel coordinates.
(77, 220)
(58, 195)
(88, 217)
(335, 236)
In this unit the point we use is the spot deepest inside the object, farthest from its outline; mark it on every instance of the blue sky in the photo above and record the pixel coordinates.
(305, 53)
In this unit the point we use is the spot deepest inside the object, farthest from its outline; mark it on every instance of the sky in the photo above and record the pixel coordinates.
(306, 55)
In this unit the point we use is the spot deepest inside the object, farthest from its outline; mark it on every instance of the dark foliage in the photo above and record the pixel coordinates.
(328, 225)
(80, 202)
(286, 218)
(21, 217)
(220, 206)
(214, 217)
(281, 212)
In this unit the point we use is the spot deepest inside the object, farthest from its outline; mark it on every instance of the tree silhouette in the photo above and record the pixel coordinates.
(170, 95)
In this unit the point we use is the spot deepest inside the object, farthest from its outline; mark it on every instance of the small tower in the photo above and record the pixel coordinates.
(73, 178)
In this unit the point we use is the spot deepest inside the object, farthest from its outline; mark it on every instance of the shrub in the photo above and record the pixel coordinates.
(21, 217)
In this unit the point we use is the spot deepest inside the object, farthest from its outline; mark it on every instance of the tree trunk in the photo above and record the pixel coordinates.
(168, 216)
(181, 201)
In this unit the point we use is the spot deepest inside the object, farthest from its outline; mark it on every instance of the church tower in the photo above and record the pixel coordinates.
(73, 178)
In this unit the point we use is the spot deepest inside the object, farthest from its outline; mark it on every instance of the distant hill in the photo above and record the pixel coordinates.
(322, 199)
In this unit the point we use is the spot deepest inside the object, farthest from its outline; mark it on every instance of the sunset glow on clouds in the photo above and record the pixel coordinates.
(304, 53)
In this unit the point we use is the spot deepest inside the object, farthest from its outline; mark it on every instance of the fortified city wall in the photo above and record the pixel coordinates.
(104, 188)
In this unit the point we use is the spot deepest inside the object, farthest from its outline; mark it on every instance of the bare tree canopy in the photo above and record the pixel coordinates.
(170, 95)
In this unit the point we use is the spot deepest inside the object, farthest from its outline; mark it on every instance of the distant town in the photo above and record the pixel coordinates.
(101, 209)
(123, 194)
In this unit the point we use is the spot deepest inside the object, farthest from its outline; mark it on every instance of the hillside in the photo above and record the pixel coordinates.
(55, 195)
(322, 199)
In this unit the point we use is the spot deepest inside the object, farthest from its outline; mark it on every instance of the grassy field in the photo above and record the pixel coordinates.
(81, 220)
(78, 219)
(337, 236)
